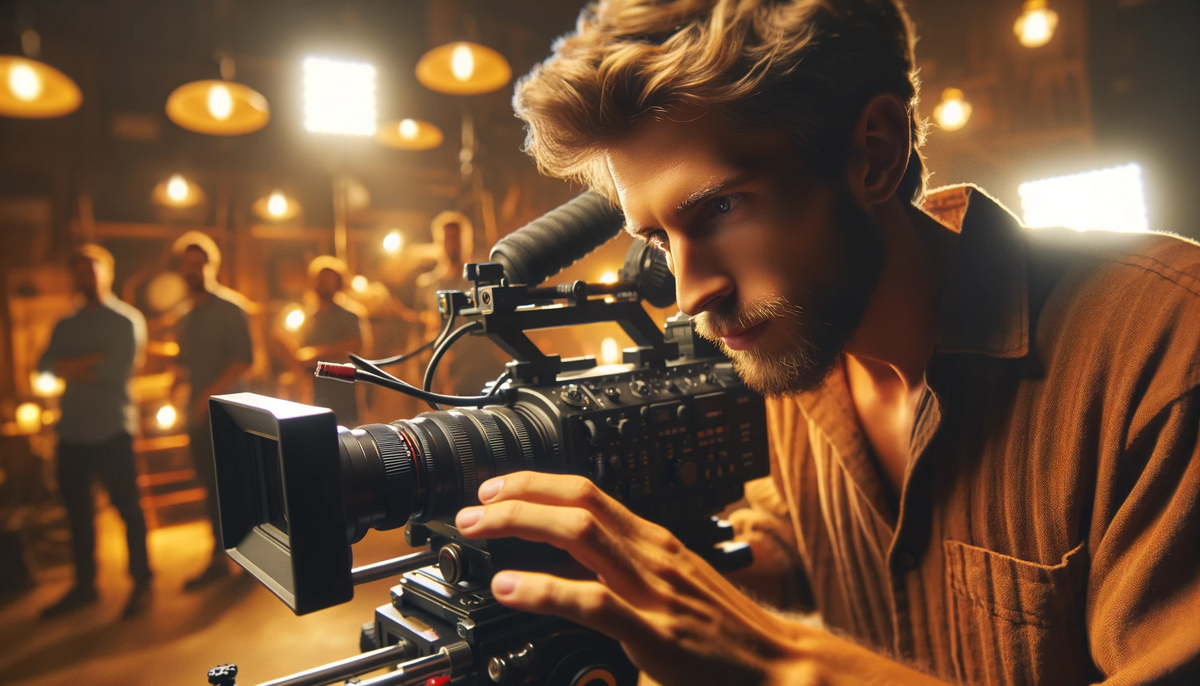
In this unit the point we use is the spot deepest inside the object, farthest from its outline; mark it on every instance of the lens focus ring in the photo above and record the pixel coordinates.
(462, 450)
(399, 473)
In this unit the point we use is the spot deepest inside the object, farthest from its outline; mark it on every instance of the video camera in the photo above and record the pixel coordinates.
(672, 433)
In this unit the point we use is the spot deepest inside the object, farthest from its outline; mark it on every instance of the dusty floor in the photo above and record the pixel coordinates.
(183, 634)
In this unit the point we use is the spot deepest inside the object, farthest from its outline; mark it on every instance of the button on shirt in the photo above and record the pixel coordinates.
(95, 411)
(212, 335)
(1048, 530)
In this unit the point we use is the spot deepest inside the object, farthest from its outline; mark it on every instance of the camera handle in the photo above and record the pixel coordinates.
(451, 661)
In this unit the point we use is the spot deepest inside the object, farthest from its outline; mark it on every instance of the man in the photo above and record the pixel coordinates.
(984, 439)
(96, 351)
(215, 352)
(472, 361)
(336, 328)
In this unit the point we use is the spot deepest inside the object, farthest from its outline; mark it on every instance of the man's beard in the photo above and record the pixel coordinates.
(817, 332)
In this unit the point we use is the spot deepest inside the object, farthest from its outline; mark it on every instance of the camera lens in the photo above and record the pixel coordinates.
(429, 467)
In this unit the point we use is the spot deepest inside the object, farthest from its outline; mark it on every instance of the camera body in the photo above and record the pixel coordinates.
(672, 433)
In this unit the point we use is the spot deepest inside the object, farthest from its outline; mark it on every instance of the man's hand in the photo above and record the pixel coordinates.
(81, 369)
(678, 619)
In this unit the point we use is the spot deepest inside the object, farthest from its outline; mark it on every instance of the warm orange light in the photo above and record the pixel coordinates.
(953, 112)
(393, 242)
(35, 90)
(276, 206)
(1035, 27)
(463, 68)
(177, 191)
(608, 277)
(409, 134)
(218, 108)
(29, 418)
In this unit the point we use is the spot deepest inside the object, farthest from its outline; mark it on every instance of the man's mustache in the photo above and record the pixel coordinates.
(733, 319)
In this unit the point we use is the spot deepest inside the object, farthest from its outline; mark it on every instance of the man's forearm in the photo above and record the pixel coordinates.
(226, 382)
(821, 657)
(78, 368)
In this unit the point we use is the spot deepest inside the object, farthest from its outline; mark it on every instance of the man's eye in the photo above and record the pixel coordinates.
(721, 204)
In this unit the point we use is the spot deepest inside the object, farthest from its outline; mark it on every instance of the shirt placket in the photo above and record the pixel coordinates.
(912, 524)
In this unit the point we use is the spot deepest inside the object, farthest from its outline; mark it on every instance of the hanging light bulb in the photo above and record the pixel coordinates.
(24, 82)
(177, 188)
(294, 319)
(953, 112)
(218, 108)
(409, 134)
(462, 62)
(277, 204)
(178, 192)
(463, 68)
(166, 416)
(392, 242)
(34, 90)
(220, 102)
(1035, 27)
(360, 283)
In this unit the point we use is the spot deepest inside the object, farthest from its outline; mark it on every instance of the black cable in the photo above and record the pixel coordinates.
(498, 383)
(431, 368)
(431, 398)
(397, 359)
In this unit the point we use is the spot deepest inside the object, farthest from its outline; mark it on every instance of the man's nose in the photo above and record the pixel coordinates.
(700, 281)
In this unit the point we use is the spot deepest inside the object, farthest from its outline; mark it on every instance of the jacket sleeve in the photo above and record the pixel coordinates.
(1144, 583)
(777, 574)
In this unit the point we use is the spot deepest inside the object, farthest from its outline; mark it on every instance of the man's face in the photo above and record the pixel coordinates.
(452, 242)
(192, 265)
(328, 283)
(87, 275)
(775, 265)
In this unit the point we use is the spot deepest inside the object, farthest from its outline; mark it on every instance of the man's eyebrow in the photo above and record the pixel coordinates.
(699, 196)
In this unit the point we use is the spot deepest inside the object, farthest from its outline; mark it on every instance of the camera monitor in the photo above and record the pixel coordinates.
(281, 504)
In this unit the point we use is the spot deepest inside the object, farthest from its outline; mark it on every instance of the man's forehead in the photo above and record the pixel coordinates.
(664, 164)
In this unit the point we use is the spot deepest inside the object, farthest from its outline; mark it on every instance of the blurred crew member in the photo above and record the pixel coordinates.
(472, 361)
(95, 350)
(337, 327)
(215, 351)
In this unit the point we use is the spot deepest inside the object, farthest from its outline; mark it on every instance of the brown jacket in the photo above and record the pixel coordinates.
(1049, 526)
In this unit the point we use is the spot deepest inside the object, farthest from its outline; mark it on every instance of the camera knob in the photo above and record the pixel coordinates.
(592, 431)
(641, 388)
(687, 472)
(451, 563)
(623, 427)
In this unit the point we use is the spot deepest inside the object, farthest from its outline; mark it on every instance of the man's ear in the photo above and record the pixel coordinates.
(879, 150)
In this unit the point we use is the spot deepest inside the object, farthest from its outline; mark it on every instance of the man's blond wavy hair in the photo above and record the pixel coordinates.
(807, 67)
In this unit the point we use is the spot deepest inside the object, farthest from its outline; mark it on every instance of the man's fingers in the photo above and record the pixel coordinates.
(573, 529)
(589, 603)
(567, 490)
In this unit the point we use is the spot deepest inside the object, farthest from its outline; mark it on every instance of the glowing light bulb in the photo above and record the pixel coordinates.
(46, 385)
(29, 418)
(359, 283)
(1035, 27)
(294, 319)
(610, 353)
(953, 112)
(408, 129)
(392, 242)
(177, 188)
(220, 102)
(24, 82)
(277, 204)
(462, 62)
(166, 417)
(608, 277)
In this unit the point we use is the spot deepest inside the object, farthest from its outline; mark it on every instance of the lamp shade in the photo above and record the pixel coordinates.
(178, 192)
(409, 134)
(276, 206)
(35, 90)
(218, 108)
(463, 68)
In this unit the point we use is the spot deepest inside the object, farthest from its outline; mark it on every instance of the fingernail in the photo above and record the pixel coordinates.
(489, 489)
(504, 584)
(468, 517)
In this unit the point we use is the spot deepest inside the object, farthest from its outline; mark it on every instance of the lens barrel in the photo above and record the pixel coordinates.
(429, 467)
